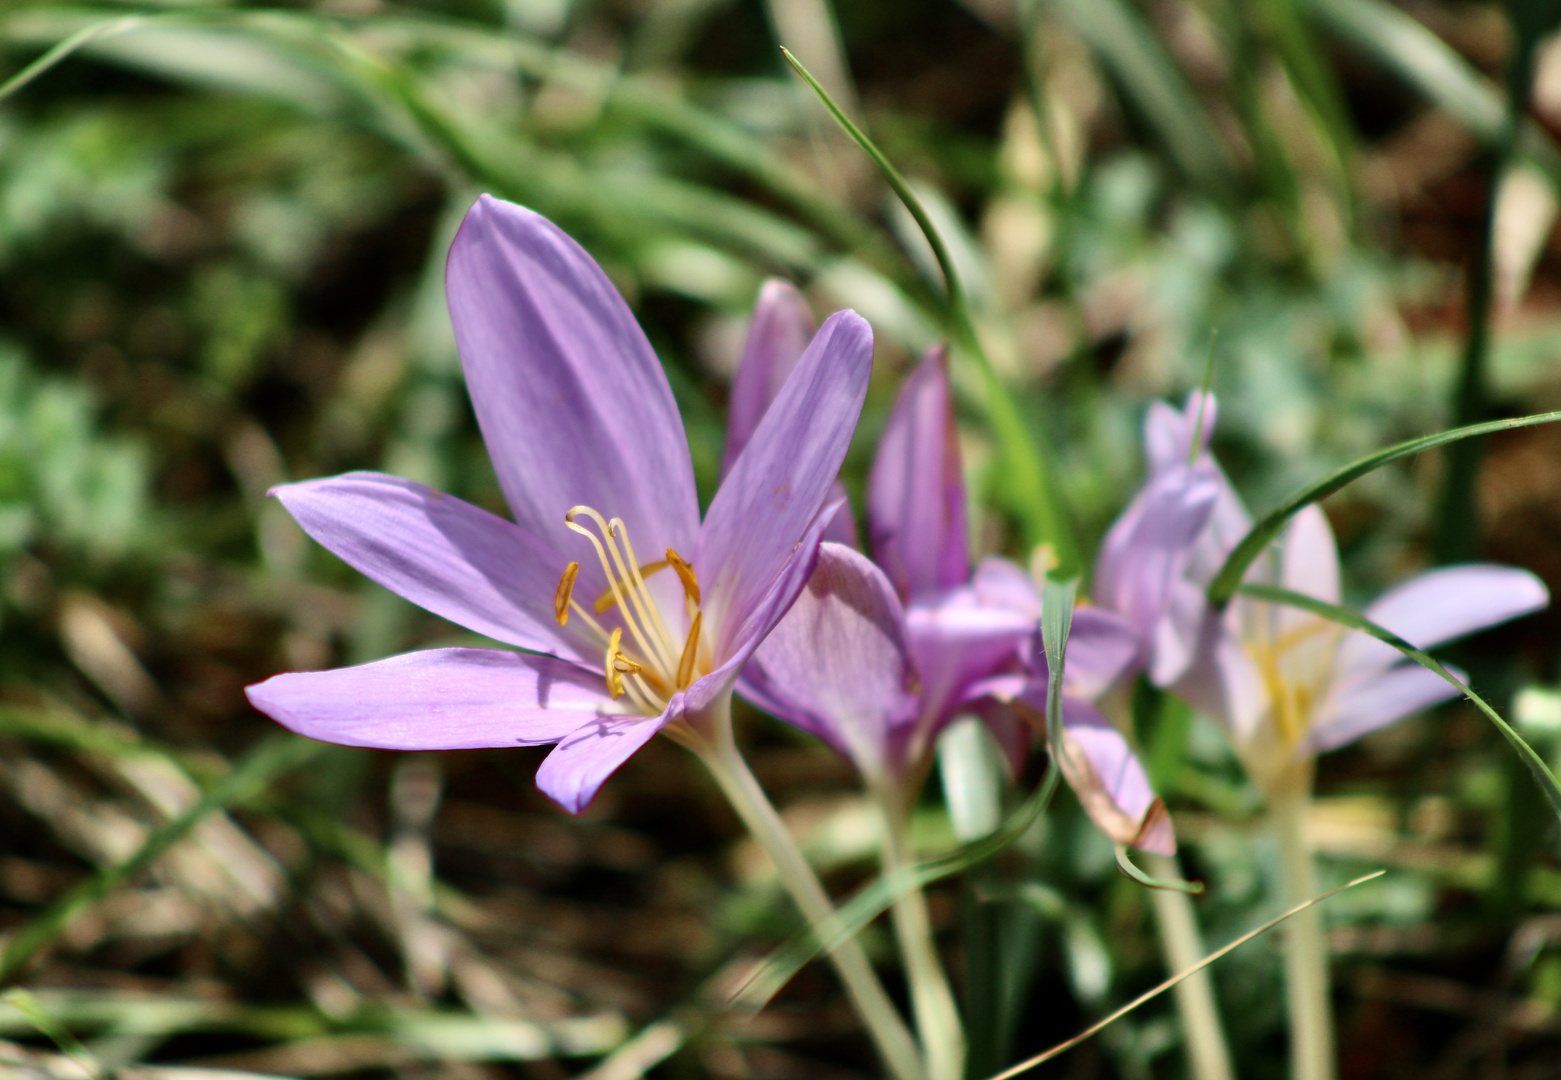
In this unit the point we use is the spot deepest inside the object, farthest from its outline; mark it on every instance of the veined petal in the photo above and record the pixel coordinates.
(572, 402)
(1437, 607)
(1361, 706)
(1001, 583)
(777, 487)
(1146, 552)
(769, 611)
(438, 699)
(583, 760)
(781, 329)
(956, 642)
(839, 663)
(1223, 681)
(1309, 562)
(1101, 648)
(1110, 783)
(916, 492)
(445, 555)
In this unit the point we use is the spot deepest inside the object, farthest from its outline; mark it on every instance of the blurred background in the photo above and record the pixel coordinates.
(222, 236)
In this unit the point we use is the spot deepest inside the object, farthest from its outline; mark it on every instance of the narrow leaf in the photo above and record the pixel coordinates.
(1261, 534)
(1125, 864)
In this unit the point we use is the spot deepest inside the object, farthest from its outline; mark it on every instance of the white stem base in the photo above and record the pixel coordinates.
(1312, 1055)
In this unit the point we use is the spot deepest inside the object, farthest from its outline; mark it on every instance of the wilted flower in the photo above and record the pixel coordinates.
(643, 613)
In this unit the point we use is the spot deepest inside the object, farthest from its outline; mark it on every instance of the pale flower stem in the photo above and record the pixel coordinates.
(718, 750)
(937, 1015)
(1306, 943)
(1208, 1054)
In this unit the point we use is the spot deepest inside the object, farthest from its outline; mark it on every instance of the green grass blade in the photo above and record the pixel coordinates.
(264, 764)
(1029, 484)
(83, 37)
(1057, 599)
(1355, 621)
(1261, 534)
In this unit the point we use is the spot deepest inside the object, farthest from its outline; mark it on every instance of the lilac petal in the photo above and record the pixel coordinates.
(439, 699)
(956, 642)
(1144, 557)
(1223, 681)
(769, 611)
(445, 555)
(839, 664)
(1001, 583)
(1101, 648)
(572, 402)
(583, 760)
(1362, 706)
(1439, 606)
(1310, 560)
(1110, 783)
(842, 526)
(916, 493)
(776, 488)
(781, 329)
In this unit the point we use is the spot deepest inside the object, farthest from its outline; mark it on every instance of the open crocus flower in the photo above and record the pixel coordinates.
(877, 659)
(643, 614)
(1289, 684)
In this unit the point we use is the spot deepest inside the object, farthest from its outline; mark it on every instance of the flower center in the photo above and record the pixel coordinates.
(643, 658)
(1295, 666)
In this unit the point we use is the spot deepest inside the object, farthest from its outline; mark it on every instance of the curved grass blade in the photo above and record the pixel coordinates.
(85, 36)
(1028, 483)
(1062, 1048)
(1355, 621)
(1225, 583)
(766, 980)
(262, 765)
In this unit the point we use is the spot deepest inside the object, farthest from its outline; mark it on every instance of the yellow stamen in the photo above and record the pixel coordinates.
(690, 653)
(658, 656)
(565, 590)
(606, 601)
(685, 574)
(622, 530)
(614, 678)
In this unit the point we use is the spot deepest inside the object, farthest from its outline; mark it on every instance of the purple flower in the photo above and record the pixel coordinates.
(1286, 683)
(643, 615)
(1162, 551)
(876, 659)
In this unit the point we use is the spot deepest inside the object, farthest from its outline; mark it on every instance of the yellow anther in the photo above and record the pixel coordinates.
(685, 574)
(690, 651)
(606, 601)
(565, 590)
(624, 666)
(614, 678)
